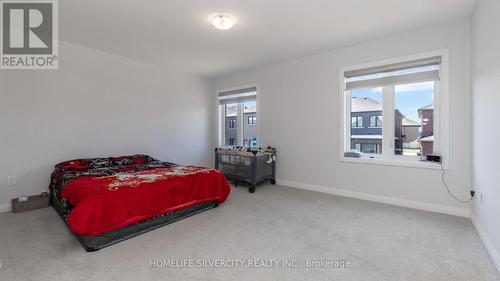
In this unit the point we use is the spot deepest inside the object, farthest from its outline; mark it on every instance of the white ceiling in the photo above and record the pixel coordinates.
(177, 32)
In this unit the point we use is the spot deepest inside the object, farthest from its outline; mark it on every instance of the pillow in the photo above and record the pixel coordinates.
(133, 159)
(142, 159)
(79, 164)
(93, 163)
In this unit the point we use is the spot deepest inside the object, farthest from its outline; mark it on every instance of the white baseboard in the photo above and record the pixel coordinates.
(455, 211)
(4, 208)
(494, 255)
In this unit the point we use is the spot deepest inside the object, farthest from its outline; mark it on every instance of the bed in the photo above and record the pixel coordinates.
(104, 201)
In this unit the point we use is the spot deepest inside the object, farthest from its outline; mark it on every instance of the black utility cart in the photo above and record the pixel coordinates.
(247, 165)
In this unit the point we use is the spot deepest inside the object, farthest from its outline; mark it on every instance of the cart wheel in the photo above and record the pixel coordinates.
(251, 189)
(273, 182)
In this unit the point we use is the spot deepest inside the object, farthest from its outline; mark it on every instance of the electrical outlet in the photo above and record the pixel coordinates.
(11, 180)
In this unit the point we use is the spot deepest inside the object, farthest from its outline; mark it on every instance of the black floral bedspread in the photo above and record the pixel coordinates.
(69, 170)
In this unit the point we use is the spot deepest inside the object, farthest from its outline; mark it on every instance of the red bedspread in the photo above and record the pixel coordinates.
(104, 203)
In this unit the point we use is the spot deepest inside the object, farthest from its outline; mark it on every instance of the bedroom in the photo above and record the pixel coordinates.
(151, 79)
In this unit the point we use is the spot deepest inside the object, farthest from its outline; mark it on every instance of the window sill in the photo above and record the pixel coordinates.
(405, 162)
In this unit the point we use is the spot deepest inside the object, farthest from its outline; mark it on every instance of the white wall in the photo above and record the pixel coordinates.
(98, 104)
(299, 107)
(486, 120)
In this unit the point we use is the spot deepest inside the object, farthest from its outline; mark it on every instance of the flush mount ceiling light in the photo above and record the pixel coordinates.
(223, 21)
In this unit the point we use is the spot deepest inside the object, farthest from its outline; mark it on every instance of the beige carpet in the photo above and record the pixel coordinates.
(276, 225)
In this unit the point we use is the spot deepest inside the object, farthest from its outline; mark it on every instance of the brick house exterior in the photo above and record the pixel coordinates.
(426, 115)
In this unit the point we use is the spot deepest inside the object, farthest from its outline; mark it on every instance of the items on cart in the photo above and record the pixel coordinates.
(247, 165)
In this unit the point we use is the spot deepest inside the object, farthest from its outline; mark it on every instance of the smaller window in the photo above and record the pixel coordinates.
(231, 141)
(375, 121)
(232, 123)
(357, 122)
(252, 120)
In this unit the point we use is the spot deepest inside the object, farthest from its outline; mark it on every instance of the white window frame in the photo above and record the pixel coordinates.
(229, 124)
(441, 117)
(248, 120)
(357, 122)
(376, 121)
(221, 128)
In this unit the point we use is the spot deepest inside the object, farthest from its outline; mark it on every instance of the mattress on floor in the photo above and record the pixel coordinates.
(95, 243)
(110, 197)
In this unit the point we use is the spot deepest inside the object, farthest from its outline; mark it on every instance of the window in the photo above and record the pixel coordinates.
(357, 121)
(414, 104)
(372, 148)
(252, 120)
(376, 121)
(232, 122)
(408, 95)
(366, 103)
(237, 115)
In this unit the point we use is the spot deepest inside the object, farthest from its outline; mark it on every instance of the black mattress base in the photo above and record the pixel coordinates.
(95, 243)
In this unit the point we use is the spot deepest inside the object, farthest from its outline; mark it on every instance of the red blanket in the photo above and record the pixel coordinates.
(104, 203)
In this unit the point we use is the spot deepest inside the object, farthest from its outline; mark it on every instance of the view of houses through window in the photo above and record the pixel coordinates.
(392, 108)
(249, 122)
(238, 117)
(416, 131)
(413, 119)
(366, 108)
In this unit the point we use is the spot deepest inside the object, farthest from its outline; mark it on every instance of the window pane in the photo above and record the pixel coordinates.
(369, 148)
(250, 128)
(365, 104)
(252, 120)
(414, 119)
(357, 147)
(231, 124)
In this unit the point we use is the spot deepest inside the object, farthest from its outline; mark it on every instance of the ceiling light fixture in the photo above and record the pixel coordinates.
(223, 21)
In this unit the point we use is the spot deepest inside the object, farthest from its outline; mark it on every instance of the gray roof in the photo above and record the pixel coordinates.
(364, 104)
(428, 107)
(429, 138)
(409, 122)
(231, 111)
